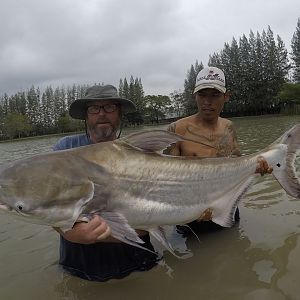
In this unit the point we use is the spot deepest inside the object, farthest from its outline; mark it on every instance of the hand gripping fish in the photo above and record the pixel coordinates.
(132, 186)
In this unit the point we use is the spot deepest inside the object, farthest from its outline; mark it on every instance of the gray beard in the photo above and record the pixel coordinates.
(101, 134)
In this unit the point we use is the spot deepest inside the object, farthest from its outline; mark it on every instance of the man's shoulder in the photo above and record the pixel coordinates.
(227, 127)
(71, 141)
(226, 123)
(186, 120)
(180, 125)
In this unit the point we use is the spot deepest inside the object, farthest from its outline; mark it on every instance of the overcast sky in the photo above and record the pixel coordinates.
(61, 42)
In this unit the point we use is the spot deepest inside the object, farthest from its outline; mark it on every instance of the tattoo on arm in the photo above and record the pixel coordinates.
(235, 147)
(172, 127)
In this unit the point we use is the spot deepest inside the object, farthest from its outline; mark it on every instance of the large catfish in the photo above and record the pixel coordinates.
(132, 186)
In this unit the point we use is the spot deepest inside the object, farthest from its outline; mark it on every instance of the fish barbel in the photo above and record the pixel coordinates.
(132, 186)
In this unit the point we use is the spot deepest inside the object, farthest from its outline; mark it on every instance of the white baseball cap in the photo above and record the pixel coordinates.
(210, 78)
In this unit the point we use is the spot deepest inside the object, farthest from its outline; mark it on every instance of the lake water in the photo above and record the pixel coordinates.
(259, 258)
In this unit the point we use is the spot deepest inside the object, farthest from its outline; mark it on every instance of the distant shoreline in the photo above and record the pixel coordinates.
(127, 127)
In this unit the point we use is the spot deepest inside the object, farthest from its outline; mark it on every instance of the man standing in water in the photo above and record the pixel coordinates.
(214, 136)
(88, 251)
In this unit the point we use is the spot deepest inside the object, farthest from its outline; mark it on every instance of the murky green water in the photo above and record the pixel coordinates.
(259, 258)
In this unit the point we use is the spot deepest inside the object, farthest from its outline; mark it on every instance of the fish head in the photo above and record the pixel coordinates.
(48, 189)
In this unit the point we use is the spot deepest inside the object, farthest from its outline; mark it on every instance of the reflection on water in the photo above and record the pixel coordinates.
(259, 258)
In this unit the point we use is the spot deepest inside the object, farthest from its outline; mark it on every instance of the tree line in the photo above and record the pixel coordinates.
(257, 70)
(149, 108)
(34, 113)
(260, 77)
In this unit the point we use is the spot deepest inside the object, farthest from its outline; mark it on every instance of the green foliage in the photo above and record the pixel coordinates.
(16, 125)
(295, 55)
(189, 85)
(290, 93)
(135, 92)
(177, 106)
(289, 98)
(41, 113)
(156, 107)
(134, 118)
(256, 68)
(33, 109)
(66, 124)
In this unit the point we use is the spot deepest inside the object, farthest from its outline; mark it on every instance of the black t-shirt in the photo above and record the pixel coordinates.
(103, 261)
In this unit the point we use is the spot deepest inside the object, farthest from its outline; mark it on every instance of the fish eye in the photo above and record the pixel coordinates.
(19, 206)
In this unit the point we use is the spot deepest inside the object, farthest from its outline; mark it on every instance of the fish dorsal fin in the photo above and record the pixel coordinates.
(151, 140)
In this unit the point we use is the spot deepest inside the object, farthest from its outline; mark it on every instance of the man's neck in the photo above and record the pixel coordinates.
(94, 140)
(211, 123)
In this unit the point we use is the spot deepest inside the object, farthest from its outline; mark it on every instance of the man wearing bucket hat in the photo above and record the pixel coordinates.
(102, 110)
(88, 251)
(212, 135)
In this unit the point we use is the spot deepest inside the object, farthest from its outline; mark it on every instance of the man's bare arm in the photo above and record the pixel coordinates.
(88, 233)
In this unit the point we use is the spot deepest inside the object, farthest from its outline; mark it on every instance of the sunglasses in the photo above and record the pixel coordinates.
(95, 109)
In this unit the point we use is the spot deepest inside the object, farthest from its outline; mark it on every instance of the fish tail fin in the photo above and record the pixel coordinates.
(286, 173)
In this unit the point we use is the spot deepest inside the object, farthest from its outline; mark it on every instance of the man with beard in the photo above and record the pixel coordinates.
(88, 250)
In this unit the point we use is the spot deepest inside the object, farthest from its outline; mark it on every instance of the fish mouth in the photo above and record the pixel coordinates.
(4, 207)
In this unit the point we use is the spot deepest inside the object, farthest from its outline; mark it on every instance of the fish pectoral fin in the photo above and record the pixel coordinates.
(151, 140)
(86, 194)
(119, 226)
(122, 231)
(159, 234)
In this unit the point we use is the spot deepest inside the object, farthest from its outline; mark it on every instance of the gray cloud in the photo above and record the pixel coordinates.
(61, 42)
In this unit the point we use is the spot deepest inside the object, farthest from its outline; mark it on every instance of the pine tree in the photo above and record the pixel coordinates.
(134, 91)
(245, 75)
(283, 65)
(5, 105)
(33, 109)
(229, 62)
(255, 70)
(295, 55)
(131, 89)
(2, 116)
(139, 95)
(58, 105)
(275, 70)
(214, 60)
(189, 86)
(125, 89)
(48, 110)
(121, 88)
